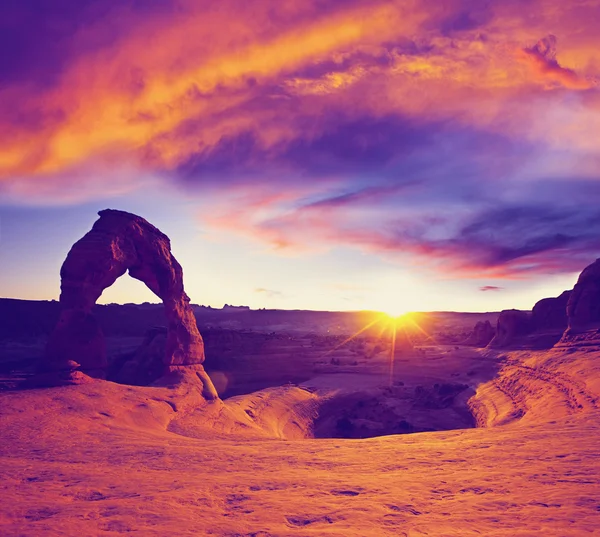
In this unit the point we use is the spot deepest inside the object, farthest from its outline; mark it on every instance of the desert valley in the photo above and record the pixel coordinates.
(298, 422)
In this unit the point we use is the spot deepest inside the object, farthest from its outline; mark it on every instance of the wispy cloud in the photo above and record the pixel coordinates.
(491, 288)
(461, 240)
(268, 292)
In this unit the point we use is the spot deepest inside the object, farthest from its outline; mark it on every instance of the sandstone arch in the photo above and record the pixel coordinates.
(119, 242)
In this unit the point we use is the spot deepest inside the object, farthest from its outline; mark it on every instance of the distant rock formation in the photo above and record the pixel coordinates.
(229, 307)
(120, 242)
(511, 324)
(146, 364)
(482, 334)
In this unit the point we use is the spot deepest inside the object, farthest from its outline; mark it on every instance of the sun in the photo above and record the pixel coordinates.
(396, 313)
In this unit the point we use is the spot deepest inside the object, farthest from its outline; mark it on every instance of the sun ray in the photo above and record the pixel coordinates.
(349, 339)
(419, 328)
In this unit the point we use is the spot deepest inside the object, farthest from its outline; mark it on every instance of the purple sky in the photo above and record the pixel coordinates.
(312, 154)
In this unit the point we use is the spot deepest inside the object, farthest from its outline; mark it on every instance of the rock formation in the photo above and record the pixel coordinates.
(550, 313)
(583, 308)
(120, 242)
(542, 328)
(482, 334)
(511, 324)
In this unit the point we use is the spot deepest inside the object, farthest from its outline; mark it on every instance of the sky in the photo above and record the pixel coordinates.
(315, 154)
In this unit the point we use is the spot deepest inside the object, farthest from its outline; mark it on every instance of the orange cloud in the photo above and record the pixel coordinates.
(542, 58)
(175, 85)
(126, 98)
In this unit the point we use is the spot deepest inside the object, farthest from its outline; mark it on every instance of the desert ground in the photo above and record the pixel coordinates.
(336, 439)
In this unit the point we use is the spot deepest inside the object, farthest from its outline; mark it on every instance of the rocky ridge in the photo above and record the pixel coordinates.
(573, 317)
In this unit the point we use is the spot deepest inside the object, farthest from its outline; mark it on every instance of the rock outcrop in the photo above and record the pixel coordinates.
(583, 308)
(120, 242)
(511, 325)
(550, 313)
(542, 328)
(482, 334)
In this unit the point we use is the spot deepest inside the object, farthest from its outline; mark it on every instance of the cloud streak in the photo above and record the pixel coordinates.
(486, 288)
(270, 293)
(508, 242)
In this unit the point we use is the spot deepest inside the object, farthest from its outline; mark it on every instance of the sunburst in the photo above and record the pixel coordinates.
(390, 322)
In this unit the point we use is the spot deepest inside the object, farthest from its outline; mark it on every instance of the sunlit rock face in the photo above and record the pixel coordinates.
(120, 242)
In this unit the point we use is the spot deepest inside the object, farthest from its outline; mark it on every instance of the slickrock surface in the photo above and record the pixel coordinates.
(108, 459)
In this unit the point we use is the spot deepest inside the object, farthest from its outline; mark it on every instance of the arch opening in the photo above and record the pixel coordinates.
(127, 290)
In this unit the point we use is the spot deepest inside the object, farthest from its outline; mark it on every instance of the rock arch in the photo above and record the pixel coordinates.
(119, 242)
